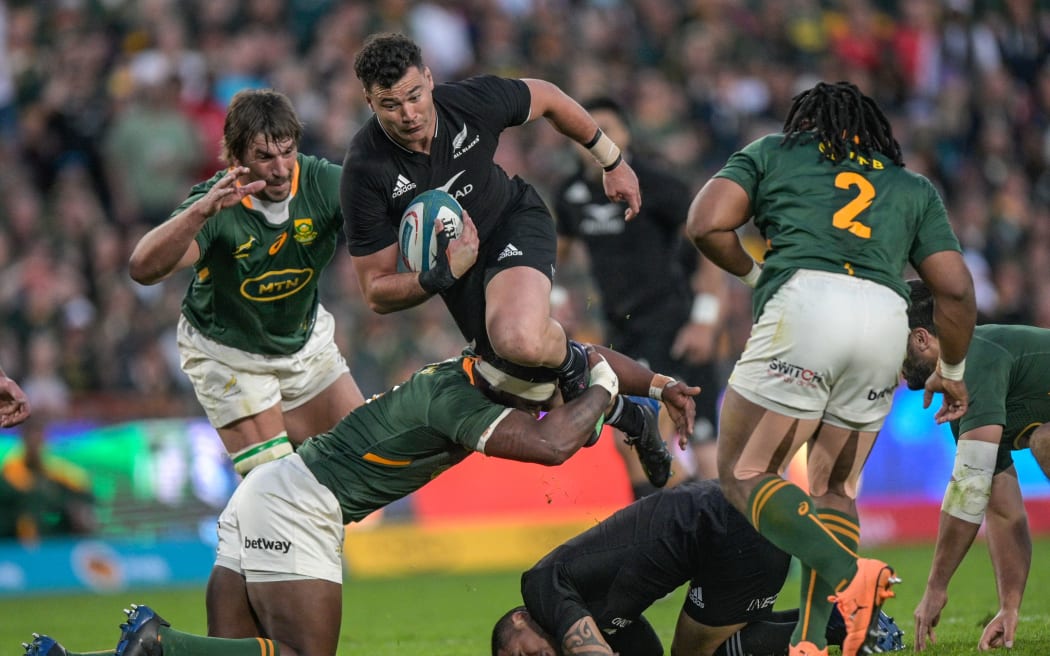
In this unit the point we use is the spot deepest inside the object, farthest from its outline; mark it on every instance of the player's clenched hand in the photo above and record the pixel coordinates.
(956, 398)
(678, 400)
(227, 193)
(1000, 631)
(928, 615)
(621, 186)
(463, 251)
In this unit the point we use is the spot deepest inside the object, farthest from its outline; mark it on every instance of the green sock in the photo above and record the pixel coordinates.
(177, 643)
(814, 607)
(783, 514)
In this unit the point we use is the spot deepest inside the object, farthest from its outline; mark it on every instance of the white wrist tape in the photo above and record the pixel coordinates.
(705, 310)
(966, 496)
(605, 151)
(751, 277)
(252, 456)
(951, 371)
(602, 374)
(658, 384)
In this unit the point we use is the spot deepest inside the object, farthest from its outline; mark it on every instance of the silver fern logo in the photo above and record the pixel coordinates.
(458, 147)
(457, 141)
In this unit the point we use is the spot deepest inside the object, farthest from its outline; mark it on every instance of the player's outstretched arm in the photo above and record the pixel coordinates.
(1010, 547)
(563, 430)
(962, 512)
(571, 119)
(639, 380)
(954, 315)
(171, 246)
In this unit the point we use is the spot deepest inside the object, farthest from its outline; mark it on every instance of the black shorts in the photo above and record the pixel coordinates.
(738, 580)
(525, 237)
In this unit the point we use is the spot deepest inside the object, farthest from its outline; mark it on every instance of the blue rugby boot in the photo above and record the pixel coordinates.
(140, 636)
(44, 645)
(890, 636)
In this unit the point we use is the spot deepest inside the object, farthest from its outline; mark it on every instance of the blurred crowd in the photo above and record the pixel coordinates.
(111, 109)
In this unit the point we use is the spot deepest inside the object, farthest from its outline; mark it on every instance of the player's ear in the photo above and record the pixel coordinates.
(428, 77)
(921, 339)
(520, 619)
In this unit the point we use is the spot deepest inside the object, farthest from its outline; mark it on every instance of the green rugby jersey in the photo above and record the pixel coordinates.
(255, 286)
(859, 218)
(1008, 379)
(399, 441)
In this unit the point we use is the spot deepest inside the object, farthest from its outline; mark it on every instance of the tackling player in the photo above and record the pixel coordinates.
(253, 337)
(1008, 377)
(496, 277)
(842, 218)
(588, 595)
(278, 571)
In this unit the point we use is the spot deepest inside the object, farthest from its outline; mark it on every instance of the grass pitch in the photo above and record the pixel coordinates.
(452, 615)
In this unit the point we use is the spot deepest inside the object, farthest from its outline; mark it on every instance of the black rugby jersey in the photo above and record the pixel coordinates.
(640, 266)
(620, 567)
(381, 177)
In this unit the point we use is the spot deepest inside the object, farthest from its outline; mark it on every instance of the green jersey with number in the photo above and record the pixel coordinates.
(858, 217)
(399, 441)
(1008, 379)
(255, 286)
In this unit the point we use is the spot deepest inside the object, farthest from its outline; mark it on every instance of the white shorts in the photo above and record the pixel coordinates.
(281, 524)
(231, 384)
(827, 346)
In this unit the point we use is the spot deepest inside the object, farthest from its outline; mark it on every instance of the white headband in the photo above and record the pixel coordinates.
(504, 382)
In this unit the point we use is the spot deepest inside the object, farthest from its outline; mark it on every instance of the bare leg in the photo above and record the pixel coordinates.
(324, 411)
(229, 613)
(303, 616)
(518, 318)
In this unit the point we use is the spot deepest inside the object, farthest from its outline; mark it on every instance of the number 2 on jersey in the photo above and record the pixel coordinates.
(845, 218)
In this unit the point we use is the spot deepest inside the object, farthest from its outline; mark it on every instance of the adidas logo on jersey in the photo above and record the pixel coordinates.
(509, 251)
(403, 186)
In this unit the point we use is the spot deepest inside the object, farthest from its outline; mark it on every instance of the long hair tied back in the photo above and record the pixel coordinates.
(844, 120)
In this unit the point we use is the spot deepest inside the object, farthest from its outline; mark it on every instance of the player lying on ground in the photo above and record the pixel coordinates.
(278, 572)
(1008, 377)
(591, 591)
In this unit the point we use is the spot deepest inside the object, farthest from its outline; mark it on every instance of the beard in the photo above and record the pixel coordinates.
(916, 370)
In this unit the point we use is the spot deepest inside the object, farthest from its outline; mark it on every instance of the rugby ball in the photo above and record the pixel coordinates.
(428, 212)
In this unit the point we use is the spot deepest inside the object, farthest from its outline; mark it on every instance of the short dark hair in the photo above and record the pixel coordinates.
(254, 112)
(502, 629)
(844, 120)
(920, 307)
(385, 58)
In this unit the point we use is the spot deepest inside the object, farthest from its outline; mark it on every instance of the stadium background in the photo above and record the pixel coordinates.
(111, 109)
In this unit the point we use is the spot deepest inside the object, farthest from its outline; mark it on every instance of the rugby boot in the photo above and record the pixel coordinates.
(43, 645)
(891, 637)
(574, 375)
(860, 603)
(652, 451)
(140, 636)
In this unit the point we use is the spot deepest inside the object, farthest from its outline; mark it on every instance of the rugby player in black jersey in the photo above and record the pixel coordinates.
(587, 596)
(496, 277)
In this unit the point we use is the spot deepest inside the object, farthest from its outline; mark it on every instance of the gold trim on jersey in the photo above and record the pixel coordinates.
(380, 460)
